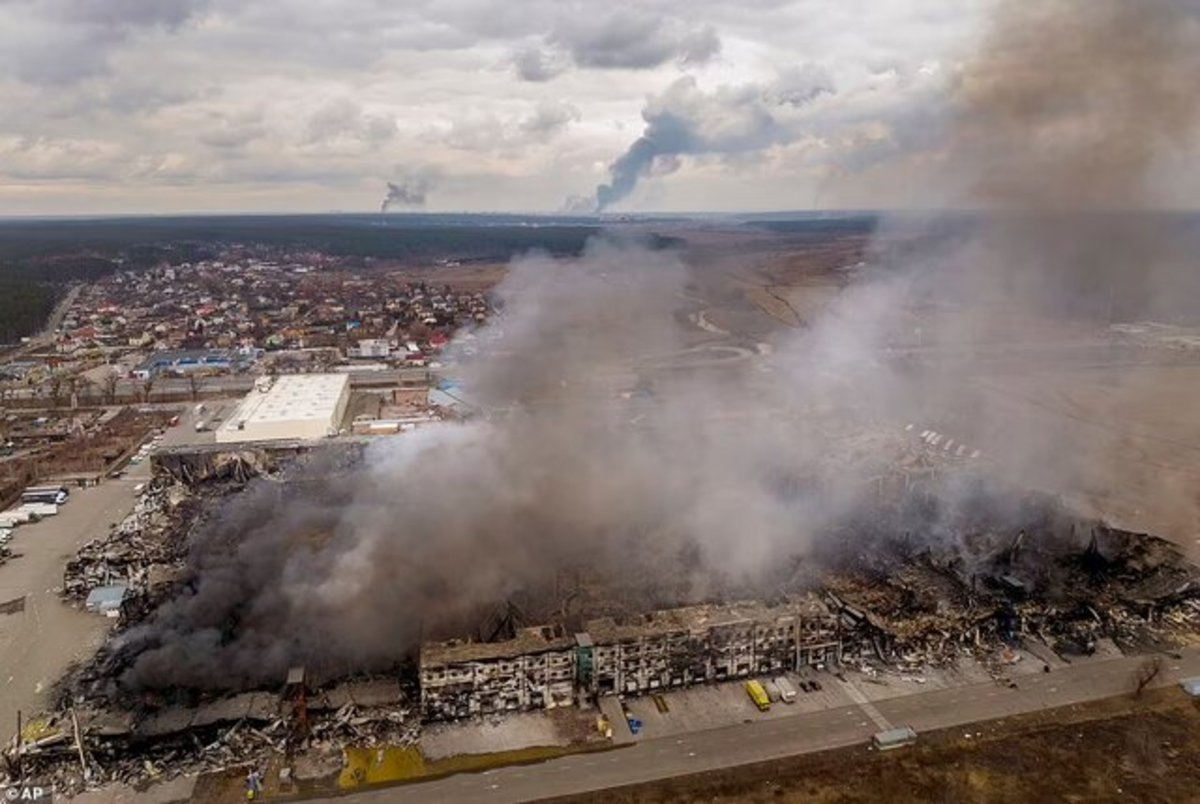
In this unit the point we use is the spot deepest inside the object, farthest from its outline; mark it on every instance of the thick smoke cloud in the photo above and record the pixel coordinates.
(675, 491)
(410, 191)
(1062, 127)
(1063, 124)
(703, 480)
(687, 121)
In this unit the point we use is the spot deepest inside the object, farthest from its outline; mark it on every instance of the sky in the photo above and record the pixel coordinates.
(128, 106)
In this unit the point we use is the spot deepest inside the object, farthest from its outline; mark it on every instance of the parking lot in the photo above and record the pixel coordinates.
(39, 642)
(718, 705)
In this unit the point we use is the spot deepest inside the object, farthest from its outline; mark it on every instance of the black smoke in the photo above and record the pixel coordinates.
(412, 191)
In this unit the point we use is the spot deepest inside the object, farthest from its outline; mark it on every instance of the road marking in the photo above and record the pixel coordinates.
(866, 706)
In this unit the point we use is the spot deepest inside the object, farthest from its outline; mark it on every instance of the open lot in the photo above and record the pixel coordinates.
(37, 644)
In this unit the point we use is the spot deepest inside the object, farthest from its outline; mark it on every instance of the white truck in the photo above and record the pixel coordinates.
(787, 691)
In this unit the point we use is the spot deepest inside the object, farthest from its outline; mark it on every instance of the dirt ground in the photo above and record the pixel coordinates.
(1144, 750)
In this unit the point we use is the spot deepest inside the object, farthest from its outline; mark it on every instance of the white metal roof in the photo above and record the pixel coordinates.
(292, 397)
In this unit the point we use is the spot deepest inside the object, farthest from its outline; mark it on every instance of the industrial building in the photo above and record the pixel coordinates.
(186, 361)
(543, 667)
(294, 406)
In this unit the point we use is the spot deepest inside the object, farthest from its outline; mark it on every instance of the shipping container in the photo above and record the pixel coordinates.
(894, 738)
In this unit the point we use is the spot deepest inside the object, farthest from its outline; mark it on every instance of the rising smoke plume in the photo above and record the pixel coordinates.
(713, 479)
(687, 121)
(410, 191)
(674, 493)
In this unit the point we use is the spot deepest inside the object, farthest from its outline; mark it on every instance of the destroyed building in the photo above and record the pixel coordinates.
(543, 667)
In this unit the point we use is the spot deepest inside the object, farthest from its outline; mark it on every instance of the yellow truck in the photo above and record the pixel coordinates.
(758, 694)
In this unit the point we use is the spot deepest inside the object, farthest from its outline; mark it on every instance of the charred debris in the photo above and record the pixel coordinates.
(913, 583)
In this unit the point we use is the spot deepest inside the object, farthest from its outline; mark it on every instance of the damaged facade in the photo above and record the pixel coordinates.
(545, 668)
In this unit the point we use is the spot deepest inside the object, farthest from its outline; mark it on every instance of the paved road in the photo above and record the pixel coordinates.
(37, 644)
(781, 737)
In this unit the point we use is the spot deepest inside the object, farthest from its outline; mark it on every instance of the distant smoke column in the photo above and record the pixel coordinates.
(409, 192)
(625, 172)
(686, 120)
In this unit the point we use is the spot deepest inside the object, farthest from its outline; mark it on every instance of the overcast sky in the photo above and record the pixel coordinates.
(526, 105)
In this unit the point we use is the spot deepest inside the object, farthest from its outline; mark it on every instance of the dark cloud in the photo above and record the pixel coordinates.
(537, 64)
(621, 39)
(635, 41)
(129, 13)
(72, 40)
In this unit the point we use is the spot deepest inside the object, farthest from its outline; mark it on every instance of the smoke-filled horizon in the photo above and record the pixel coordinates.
(719, 475)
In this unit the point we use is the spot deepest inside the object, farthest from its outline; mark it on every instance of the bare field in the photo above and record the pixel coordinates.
(1114, 750)
(471, 277)
(1063, 405)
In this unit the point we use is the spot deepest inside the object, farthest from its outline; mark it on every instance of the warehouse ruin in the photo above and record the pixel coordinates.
(544, 667)
(904, 585)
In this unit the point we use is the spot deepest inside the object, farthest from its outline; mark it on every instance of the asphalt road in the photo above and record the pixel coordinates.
(780, 737)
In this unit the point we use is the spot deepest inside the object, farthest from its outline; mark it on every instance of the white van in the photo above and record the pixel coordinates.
(787, 692)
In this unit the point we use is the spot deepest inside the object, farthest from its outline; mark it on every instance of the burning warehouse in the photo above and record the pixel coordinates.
(981, 580)
(544, 668)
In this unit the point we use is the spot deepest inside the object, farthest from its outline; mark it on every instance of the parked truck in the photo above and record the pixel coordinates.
(758, 694)
(787, 691)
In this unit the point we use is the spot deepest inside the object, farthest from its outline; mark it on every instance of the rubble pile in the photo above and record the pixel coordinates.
(192, 467)
(93, 746)
(143, 551)
(366, 727)
(996, 591)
